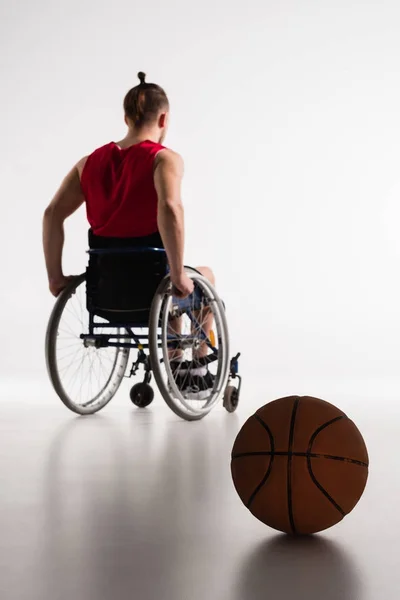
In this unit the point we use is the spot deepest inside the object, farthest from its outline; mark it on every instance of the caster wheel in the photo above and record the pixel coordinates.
(142, 394)
(231, 399)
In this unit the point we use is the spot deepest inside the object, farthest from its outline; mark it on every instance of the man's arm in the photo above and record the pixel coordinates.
(167, 179)
(67, 200)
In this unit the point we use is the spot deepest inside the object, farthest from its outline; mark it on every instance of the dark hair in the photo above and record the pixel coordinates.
(144, 102)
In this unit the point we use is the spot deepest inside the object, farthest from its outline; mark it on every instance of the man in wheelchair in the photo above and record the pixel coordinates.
(132, 193)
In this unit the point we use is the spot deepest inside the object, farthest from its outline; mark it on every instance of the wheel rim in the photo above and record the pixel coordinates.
(235, 398)
(84, 376)
(164, 374)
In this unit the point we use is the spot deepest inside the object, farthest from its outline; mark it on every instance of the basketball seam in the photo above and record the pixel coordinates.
(268, 472)
(309, 465)
(304, 455)
(289, 464)
(322, 427)
(322, 489)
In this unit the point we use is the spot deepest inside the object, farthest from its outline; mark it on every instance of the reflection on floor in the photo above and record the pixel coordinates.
(140, 504)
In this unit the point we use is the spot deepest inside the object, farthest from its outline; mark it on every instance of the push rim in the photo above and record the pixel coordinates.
(160, 327)
(85, 376)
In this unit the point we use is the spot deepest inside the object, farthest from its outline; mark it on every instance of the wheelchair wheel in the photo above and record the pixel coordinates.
(142, 394)
(231, 398)
(84, 375)
(177, 326)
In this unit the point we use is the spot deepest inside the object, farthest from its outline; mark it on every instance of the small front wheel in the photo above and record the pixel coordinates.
(142, 394)
(231, 398)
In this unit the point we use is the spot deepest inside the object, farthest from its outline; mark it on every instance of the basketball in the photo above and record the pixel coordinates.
(299, 464)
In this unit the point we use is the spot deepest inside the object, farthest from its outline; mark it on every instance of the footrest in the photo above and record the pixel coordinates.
(235, 365)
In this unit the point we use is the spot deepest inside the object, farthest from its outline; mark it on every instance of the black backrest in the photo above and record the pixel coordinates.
(122, 280)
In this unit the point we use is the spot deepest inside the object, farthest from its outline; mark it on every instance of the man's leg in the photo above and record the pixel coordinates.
(198, 375)
(174, 330)
(204, 316)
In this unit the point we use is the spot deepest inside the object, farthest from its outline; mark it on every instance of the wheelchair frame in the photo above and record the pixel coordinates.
(128, 339)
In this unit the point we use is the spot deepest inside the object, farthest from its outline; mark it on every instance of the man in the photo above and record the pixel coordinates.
(132, 189)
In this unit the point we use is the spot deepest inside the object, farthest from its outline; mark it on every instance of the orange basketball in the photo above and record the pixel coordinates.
(299, 464)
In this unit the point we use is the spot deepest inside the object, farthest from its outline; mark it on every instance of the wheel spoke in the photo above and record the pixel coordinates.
(189, 327)
(85, 377)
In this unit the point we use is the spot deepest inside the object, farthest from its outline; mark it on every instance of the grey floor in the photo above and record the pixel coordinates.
(139, 504)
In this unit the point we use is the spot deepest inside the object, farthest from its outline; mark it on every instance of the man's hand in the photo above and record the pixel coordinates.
(182, 285)
(56, 286)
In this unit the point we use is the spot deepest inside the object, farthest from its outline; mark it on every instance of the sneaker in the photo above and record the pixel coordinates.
(194, 383)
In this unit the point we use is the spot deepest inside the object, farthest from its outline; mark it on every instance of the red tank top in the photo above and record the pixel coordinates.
(118, 185)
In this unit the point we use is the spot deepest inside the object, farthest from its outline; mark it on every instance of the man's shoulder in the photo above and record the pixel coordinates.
(105, 149)
(169, 157)
(80, 165)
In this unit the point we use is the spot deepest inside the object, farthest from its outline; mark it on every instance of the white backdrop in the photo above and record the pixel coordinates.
(287, 115)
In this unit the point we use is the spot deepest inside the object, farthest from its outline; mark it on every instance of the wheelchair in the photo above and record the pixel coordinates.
(123, 303)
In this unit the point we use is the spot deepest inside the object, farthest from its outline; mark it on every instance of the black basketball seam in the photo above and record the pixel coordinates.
(321, 428)
(268, 472)
(309, 465)
(289, 464)
(303, 454)
(323, 490)
(263, 424)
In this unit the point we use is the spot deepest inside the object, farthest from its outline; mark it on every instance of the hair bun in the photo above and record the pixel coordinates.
(142, 77)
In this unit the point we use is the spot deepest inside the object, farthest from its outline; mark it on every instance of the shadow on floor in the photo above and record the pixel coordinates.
(304, 568)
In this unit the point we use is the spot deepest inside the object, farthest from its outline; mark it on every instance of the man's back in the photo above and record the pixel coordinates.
(118, 186)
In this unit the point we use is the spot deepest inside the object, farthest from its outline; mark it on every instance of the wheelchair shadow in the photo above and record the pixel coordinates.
(76, 478)
(70, 430)
(308, 568)
(110, 502)
(116, 493)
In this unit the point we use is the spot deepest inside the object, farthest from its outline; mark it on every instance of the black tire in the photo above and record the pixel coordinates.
(142, 395)
(231, 399)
